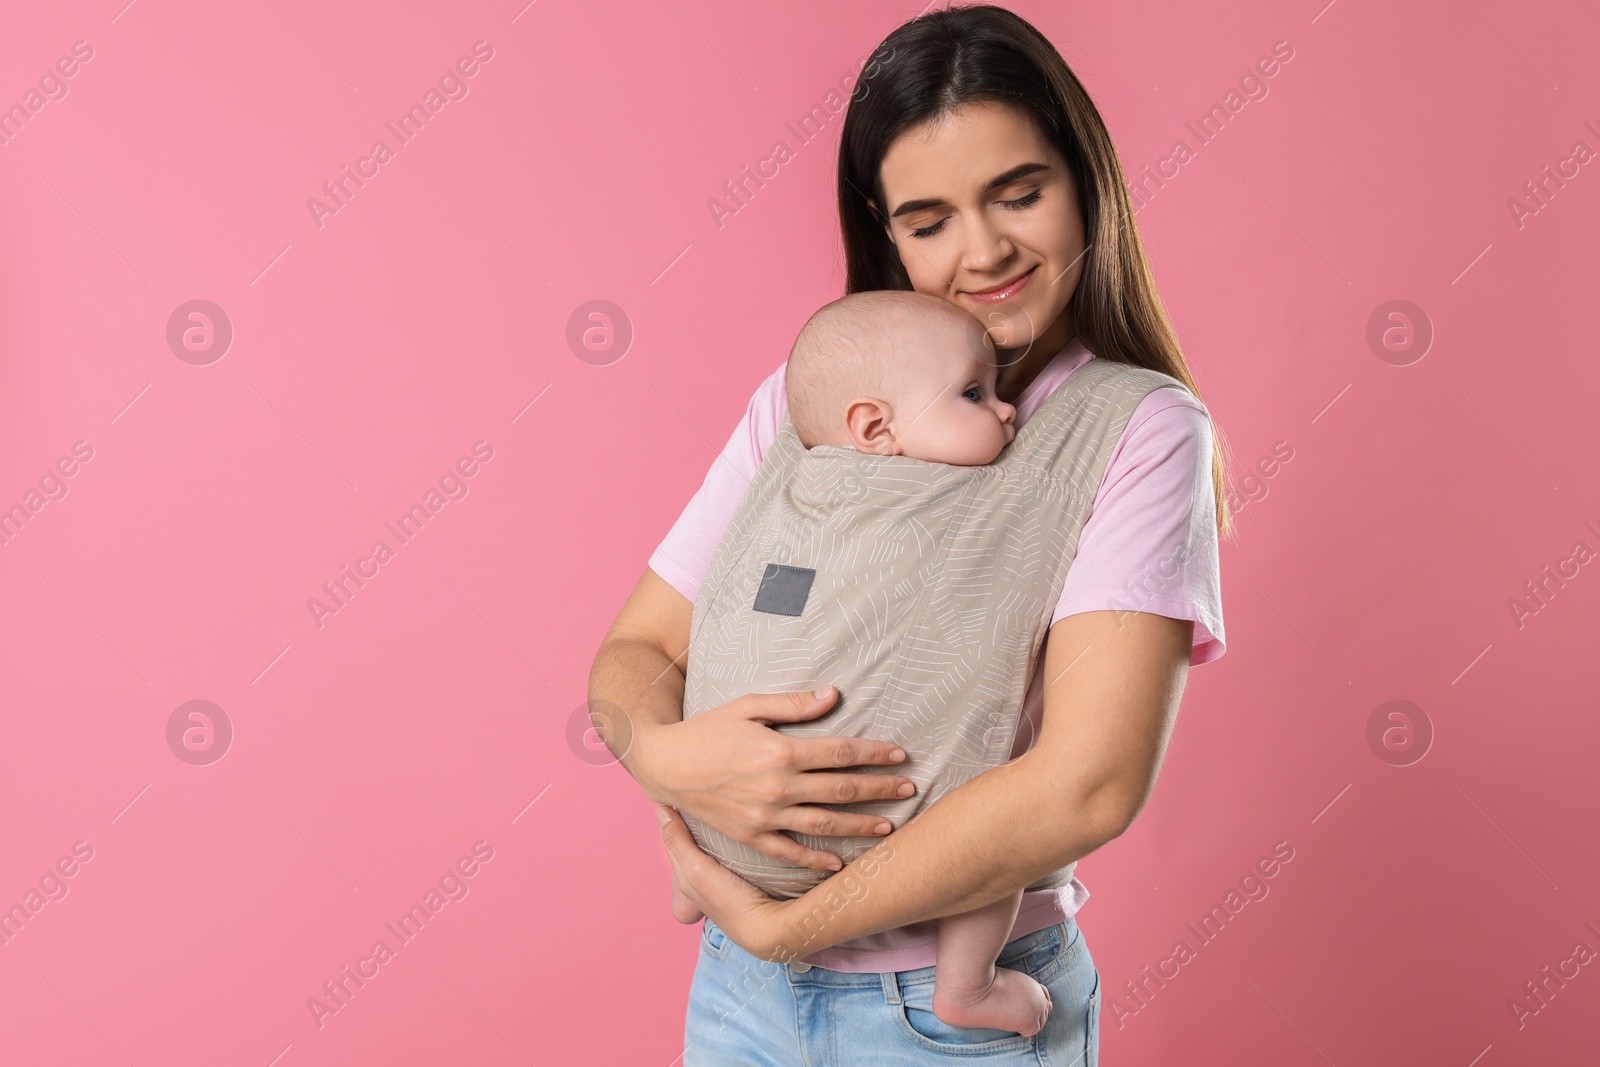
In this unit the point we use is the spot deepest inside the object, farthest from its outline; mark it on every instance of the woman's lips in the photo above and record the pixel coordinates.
(1005, 290)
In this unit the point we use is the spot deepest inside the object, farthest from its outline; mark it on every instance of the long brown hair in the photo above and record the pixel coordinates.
(944, 59)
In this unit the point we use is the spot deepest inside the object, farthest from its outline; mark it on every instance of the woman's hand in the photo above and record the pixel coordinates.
(730, 770)
(756, 922)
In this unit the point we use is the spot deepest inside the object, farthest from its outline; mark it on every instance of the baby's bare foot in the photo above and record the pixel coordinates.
(1014, 1001)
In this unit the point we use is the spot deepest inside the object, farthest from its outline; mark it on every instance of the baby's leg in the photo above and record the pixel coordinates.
(969, 990)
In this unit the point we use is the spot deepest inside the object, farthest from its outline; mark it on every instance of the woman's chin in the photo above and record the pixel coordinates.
(1010, 328)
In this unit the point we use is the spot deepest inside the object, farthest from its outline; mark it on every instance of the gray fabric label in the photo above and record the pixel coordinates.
(784, 589)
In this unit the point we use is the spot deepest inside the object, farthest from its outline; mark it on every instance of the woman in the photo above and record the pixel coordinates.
(974, 167)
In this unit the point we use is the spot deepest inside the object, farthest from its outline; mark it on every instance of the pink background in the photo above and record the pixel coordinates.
(433, 710)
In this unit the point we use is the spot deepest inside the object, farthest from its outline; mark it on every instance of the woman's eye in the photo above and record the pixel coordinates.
(1014, 205)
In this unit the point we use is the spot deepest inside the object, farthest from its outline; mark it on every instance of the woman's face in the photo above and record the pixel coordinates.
(984, 213)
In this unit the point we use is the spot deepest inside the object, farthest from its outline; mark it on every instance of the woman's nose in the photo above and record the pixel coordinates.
(987, 247)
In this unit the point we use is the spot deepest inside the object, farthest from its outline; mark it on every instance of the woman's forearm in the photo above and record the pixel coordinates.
(1108, 714)
(633, 688)
(1022, 826)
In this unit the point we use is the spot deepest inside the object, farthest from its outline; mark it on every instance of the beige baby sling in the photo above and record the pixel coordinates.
(922, 590)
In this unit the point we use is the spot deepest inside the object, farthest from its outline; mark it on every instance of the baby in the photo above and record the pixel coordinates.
(904, 373)
(892, 372)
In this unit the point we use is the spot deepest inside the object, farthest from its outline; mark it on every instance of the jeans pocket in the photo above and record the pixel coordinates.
(713, 939)
(917, 1023)
(919, 1026)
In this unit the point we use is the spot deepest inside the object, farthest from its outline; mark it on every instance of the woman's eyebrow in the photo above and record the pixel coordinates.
(1021, 170)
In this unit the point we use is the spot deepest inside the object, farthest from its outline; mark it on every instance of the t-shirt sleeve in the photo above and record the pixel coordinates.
(1150, 544)
(684, 555)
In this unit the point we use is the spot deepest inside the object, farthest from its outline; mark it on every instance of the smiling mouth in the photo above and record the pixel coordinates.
(1005, 290)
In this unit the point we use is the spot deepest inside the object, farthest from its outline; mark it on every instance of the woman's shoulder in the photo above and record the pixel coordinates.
(773, 389)
(1169, 412)
(1169, 429)
(1152, 527)
(1173, 412)
(763, 416)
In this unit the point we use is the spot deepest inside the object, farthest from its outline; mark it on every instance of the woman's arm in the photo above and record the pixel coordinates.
(1113, 682)
(726, 766)
(637, 668)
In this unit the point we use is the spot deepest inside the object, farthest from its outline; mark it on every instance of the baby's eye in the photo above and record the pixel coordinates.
(973, 393)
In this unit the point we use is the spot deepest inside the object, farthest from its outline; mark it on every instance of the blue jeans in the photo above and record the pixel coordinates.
(744, 1010)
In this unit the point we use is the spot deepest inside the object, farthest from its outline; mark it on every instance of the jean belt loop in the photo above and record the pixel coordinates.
(891, 987)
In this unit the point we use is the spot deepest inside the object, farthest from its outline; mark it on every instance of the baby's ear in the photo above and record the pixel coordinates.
(867, 422)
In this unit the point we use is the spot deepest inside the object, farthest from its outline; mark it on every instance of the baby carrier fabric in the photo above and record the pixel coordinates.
(922, 591)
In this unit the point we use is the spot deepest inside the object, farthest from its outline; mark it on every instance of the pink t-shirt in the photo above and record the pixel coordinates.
(1149, 544)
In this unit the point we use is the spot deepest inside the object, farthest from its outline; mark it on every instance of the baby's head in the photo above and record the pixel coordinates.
(895, 372)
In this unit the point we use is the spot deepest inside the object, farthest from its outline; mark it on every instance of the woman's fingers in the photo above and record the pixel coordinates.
(825, 822)
(787, 849)
(689, 862)
(812, 753)
(782, 779)
(787, 707)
